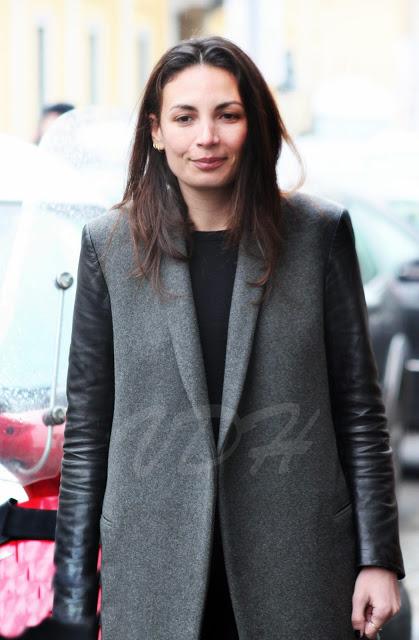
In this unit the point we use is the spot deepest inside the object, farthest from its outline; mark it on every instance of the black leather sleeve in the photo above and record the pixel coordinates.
(90, 395)
(357, 407)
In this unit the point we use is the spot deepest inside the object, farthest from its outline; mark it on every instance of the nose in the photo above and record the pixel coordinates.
(208, 134)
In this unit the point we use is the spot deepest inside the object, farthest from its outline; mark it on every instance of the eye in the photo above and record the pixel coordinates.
(230, 116)
(183, 119)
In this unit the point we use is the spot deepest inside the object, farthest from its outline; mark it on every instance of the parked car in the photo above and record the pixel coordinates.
(383, 168)
(390, 172)
(388, 251)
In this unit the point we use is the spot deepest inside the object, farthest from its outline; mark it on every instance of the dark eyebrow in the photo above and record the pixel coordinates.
(188, 107)
(223, 105)
(184, 107)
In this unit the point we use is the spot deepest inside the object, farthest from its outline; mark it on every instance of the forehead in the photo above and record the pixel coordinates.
(200, 84)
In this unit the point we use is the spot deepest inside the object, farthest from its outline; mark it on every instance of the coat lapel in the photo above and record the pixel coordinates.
(184, 331)
(241, 330)
(183, 326)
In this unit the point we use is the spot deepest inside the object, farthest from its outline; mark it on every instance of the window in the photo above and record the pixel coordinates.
(144, 47)
(93, 66)
(41, 57)
(382, 244)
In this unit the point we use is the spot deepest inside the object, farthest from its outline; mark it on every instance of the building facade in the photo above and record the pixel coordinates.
(319, 56)
(323, 57)
(78, 51)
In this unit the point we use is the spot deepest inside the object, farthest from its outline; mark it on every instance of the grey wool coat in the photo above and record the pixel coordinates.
(302, 470)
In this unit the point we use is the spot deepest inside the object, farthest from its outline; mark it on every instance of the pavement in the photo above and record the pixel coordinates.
(408, 501)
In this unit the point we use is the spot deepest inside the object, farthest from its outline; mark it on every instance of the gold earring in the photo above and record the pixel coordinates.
(157, 146)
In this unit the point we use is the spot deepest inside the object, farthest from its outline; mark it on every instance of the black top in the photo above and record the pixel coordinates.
(212, 268)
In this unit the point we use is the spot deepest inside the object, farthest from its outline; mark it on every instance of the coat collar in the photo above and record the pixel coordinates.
(183, 326)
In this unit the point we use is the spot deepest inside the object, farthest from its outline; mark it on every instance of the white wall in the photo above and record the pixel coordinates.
(255, 25)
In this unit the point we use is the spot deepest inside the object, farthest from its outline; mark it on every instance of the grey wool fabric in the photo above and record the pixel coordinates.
(287, 516)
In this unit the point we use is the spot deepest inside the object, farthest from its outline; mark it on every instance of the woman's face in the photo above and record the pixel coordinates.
(203, 127)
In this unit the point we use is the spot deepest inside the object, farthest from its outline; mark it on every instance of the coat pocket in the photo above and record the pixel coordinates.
(343, 510)
(107, 521)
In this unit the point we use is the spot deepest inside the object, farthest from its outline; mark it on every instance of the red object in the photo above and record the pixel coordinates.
(22, 441)
(26, 570)
(27, 566)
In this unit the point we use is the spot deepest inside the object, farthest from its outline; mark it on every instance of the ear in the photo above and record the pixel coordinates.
(155, 130)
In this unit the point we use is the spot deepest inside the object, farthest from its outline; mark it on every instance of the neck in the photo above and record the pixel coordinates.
(207, 208)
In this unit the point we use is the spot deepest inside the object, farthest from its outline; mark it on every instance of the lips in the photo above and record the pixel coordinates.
(210, 159)
(208, 163)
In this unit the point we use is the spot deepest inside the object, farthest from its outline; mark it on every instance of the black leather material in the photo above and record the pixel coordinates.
(90, 394)
(357, 406)
(357, 409)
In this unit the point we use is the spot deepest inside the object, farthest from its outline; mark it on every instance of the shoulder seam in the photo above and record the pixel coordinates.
(97, 259)
(342, 213)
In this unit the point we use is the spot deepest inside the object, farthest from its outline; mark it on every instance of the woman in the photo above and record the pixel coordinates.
(225, 433)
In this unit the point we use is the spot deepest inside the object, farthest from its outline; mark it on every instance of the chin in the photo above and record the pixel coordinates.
(211, 182)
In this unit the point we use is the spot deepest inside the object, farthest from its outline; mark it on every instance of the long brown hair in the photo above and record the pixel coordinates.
(152, 196)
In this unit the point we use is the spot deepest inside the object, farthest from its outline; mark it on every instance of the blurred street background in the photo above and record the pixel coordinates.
(346, 79)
